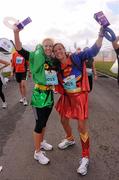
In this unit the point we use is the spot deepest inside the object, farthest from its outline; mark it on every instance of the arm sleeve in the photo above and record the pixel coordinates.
(24, 53)
(90, 52)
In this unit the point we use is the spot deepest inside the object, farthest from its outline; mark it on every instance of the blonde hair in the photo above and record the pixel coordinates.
(48, 39)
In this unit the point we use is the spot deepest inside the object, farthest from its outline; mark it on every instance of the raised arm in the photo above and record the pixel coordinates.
(100, 38)
(94, 50)
(18, 43)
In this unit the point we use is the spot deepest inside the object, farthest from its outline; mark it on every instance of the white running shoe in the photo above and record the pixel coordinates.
(40, 156)
(46, 146)
(4, 105)
(1, 168)
(84, 163)
(66, 143)
(21, 100)
(25, 103)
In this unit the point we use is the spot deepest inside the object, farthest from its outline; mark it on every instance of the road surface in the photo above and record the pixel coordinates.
(16, 140)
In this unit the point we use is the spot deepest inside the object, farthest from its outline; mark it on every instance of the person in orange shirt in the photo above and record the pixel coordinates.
(19, 68)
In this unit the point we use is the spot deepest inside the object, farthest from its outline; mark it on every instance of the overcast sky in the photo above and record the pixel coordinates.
(67, 21)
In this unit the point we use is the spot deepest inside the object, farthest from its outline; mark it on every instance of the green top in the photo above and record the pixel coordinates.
(37, 61)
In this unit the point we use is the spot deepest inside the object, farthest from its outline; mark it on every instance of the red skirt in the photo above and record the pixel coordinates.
(73, 106)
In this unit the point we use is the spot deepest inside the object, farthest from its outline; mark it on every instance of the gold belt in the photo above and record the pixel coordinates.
(73, 90)
(43, 87)
(78, 78)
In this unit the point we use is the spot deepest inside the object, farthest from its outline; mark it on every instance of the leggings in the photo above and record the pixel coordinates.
(41, 117)
(1, 93)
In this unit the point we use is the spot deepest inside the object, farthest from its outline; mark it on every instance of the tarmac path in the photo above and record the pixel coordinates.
(16, 141)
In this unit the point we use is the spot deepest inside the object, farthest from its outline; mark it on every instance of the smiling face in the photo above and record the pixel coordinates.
(60, 52)
(48, 46)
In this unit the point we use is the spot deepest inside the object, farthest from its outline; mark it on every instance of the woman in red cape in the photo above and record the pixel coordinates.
(73, 102)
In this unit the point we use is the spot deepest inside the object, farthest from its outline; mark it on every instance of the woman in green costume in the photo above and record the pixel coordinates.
(44, 77)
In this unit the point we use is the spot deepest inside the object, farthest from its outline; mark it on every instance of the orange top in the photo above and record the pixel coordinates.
(18, 62)
(66, 67)
(68, 62)
(84, 84)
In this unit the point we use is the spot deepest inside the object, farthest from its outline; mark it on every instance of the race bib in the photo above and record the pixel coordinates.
(70, 83)
(51, 77)
(19, 60)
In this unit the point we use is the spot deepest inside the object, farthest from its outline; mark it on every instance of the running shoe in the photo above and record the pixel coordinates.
(84, 163)
(21, 100)
(46, 146)
(25, 103)
(4, 105)
(41, 157)
(66, 143)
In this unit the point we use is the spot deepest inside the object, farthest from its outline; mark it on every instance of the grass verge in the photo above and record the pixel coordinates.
(104, 67)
